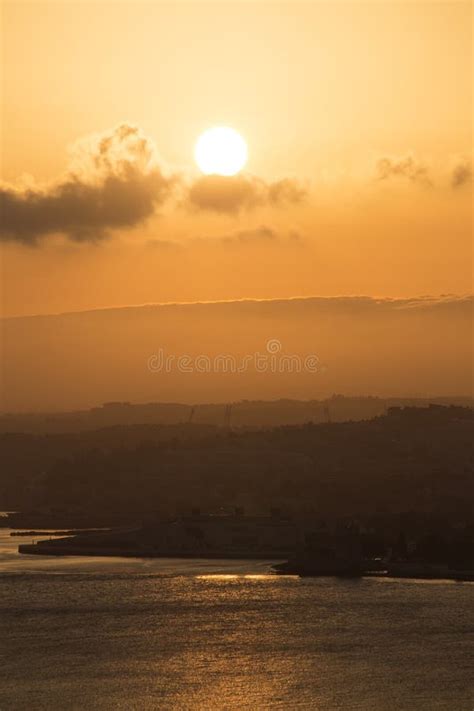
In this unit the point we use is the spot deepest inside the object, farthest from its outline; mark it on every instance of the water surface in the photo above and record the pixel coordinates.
(93, 633)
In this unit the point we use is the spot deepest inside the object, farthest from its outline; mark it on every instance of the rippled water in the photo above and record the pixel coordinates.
(110, 634)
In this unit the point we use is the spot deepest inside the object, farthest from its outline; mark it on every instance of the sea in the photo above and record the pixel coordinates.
(93, 634)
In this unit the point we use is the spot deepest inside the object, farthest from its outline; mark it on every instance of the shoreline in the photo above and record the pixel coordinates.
(54, 551)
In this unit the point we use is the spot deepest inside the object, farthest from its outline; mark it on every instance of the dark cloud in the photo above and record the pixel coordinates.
(407, 167)
(114, 182)
(462, 173)
(231, 194)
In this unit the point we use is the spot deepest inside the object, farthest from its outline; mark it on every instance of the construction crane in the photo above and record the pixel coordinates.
(327, 412)
(227, 414)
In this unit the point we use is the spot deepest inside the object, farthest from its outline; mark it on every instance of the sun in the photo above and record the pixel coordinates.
(220, 151)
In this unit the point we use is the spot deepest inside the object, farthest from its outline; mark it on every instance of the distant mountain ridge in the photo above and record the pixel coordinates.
(363, 302)
(406, 347)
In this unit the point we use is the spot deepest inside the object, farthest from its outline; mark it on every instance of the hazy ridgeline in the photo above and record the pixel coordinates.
(380, 347)
(246, 413)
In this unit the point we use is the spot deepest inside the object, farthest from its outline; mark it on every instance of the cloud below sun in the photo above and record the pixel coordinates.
(241, 192)
(116, 181)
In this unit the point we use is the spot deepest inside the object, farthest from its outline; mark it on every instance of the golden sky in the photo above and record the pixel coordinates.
(358, 119)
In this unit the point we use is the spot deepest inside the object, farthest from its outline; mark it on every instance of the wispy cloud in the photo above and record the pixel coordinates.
(462, 173)
(407, 167)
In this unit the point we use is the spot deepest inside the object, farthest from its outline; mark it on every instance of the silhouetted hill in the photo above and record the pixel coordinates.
(410, 460)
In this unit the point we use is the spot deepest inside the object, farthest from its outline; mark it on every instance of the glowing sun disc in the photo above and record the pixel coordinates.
(220, 151)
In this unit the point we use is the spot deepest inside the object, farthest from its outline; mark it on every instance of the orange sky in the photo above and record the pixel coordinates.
(364, 109)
